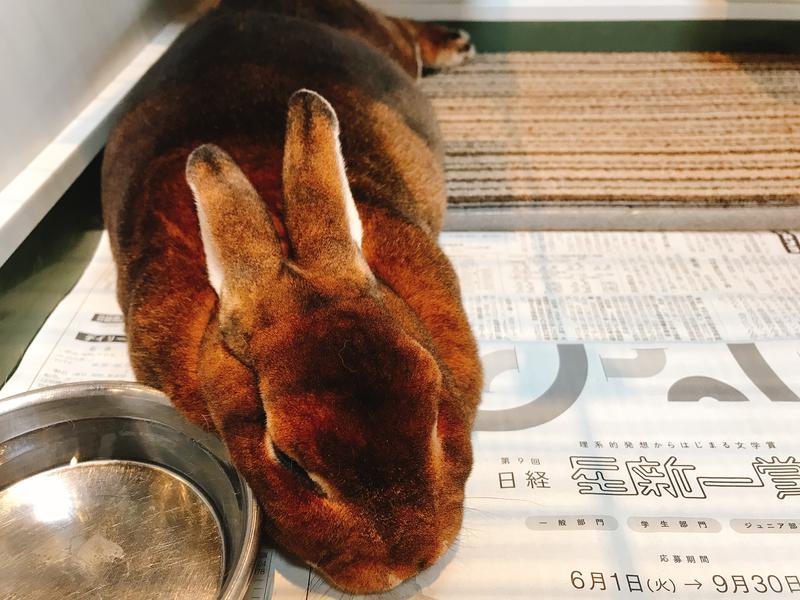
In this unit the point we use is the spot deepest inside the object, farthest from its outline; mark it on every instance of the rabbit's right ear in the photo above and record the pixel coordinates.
(321, 216)
(239, 239)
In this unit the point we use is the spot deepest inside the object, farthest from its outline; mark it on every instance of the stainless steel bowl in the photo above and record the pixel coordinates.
(106, 491)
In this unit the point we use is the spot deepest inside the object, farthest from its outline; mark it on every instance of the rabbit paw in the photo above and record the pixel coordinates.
(442, 47)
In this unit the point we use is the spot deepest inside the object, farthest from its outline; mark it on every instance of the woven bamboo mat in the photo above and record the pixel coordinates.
(664, 129)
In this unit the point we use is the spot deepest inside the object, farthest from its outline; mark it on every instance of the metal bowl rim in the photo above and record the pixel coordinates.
(242, 573)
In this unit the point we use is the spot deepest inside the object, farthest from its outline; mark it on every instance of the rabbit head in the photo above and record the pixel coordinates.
(324, 383)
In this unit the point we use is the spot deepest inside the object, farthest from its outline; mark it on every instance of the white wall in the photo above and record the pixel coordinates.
(591, 10)
(65, 67)
(57, 55)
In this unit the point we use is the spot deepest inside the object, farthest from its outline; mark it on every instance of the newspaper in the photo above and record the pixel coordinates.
(637, 435)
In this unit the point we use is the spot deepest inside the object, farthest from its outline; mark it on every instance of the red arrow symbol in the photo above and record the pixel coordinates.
(696, 583)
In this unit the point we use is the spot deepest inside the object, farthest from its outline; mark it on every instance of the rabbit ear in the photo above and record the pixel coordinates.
(321, 217)
(238, 236)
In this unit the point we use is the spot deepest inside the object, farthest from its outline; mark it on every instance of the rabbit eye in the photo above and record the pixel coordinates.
(291, 465)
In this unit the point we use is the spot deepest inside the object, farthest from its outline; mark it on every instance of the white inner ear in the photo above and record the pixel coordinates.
(418, 57)
(213, 264)
(353, 220)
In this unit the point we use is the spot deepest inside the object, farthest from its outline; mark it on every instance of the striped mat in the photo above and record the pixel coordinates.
(688, 129)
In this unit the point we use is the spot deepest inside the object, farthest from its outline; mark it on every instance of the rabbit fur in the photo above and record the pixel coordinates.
(281, 281)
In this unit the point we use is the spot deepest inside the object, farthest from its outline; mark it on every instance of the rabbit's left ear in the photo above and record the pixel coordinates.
(240, 242)
(321, 217)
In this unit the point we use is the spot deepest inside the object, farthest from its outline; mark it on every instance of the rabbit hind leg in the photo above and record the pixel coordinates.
(439, 46)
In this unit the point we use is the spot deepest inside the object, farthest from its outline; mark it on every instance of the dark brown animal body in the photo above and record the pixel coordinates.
(339, 369)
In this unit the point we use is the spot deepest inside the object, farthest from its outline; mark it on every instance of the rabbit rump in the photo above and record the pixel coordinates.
(301, 309)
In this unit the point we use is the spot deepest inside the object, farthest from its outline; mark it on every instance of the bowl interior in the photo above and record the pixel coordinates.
(127, 438)
(130, 529)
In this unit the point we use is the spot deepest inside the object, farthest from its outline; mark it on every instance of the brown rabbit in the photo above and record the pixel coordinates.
(304, 313)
